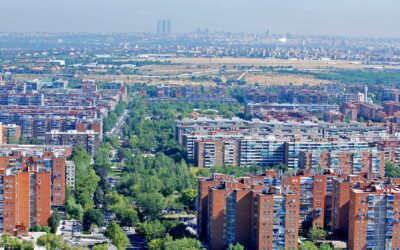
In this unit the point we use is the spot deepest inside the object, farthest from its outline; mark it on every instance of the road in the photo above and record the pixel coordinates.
(117, 129)
(241, 76)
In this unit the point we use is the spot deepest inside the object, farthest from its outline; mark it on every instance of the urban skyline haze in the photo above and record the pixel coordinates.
(313, 17)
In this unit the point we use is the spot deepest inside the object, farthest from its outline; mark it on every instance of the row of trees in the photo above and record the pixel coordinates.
(112, 118)
(155, 178)
(8, 242)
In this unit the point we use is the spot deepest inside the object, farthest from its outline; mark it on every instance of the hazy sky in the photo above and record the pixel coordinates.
(332, 17)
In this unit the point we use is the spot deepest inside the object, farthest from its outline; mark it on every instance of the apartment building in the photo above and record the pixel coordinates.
(202, 201)
(204, 126)
(266, 211)
(88, 139)
(191, 143)
(256, 216)
(313, 195)
(370, 111)
(276, 220)
(374, 218)
(348, 130)
(345, 162)
(391, 108)
(32, 181)
(255, 108)
(26, 199)
(10, 134)
(293, 148)
(22, 99)
(214, 153)
(261, 151)
(70, 174)
(391, 149)
(341, 201)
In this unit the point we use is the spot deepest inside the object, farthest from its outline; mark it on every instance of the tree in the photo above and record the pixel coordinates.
(50, 241)
(127, 216)
(115, 233)
(100, 247)
(151, 205)
(152, 230)
(325, 246)
(176, 229)
(114, 199)
(391, 170)
(133, 142)
(237, 246)
(86, 186)
(38, 228)
(86, 178)
(184, 243)
(99, 197)
(282, 167)
(92, 217)
(13, 140)
(188, 197)
(9, 242)
(307, 245)
(74, 211)
(54, 222)
(156, 244)
(102, 157)
(316, 234)
(27, 245)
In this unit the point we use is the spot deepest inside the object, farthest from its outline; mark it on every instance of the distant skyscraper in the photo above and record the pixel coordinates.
(164, 27)
(159, 27)
(169, 26)
(268, 33)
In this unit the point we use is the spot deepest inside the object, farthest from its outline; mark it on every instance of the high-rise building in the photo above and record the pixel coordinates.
(374, 219)
(246, 211)
(211, 153)
(268, 33)
(341, 202)
(277, 220)
(31, 182)
(89, 139)
(202, 201)
(159, 27)
(10, 134)
(313, 195)
(169, 26)
(345, 162)
(26, 199)
(261, 151)
(164, 27)
(266, 211)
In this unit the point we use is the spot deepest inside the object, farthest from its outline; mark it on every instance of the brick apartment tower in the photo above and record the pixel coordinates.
(313, 194)
(245, 211)
(26, 200)
(374, 219)
(30, 186)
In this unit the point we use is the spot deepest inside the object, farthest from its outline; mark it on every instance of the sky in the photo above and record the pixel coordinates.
(380, 18)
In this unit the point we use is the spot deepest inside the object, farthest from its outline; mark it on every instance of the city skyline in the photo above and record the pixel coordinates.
(310, 17)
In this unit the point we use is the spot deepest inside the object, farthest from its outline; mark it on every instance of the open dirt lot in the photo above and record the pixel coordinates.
(299, 64)
(282, 79)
